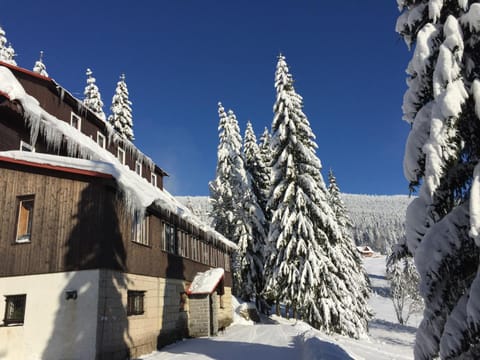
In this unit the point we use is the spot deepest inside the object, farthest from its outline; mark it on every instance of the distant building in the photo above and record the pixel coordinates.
(365, 251)
(97, 258)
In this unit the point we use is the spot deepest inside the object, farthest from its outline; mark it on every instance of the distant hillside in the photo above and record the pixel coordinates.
(378, 220)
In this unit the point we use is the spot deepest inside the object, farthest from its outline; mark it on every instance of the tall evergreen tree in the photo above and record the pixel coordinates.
(121, 117)
(256, 167)
(40, 67)
(7, 53)
(92, 98)
(235, 210)
(301, 271)
(355, 307)
(442, 104)
(251, 220)
(221, 192)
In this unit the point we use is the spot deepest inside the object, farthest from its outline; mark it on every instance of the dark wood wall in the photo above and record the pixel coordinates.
(79, 222)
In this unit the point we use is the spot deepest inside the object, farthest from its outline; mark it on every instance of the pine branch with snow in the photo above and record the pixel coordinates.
(92, 98)
(442, 161)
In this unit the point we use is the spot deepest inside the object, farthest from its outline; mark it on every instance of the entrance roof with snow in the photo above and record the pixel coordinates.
(206, 282)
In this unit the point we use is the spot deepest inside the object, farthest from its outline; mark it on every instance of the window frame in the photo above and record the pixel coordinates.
(24, 146)
(141, 230)
(170, 235)
(27, 236)
(121, 150)
(138, 167)
(78, 119)
(153, 179)
(18, 320)
(103, 138)
(135, 302)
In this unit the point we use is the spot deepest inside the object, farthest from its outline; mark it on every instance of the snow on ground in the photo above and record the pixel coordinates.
(281, 339)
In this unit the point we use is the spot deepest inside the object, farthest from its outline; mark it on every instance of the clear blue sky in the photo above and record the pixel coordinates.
(181, 57)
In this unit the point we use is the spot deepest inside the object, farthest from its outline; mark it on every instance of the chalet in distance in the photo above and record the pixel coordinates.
(97, 259)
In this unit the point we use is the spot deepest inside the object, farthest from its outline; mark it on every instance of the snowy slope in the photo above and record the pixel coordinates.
(282, 339)
(378, 220)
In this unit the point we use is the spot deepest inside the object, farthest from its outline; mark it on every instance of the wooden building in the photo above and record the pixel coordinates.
(96, 256)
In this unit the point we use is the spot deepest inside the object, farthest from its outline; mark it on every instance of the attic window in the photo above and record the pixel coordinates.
(101, 140)
(154, 179)
(76, 121)
(138, 167)
(121, 155)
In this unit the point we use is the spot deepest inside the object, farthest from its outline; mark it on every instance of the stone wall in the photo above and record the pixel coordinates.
(162, 322)
(199, 315)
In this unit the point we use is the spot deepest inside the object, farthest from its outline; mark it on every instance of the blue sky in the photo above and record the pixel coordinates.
(181, 57)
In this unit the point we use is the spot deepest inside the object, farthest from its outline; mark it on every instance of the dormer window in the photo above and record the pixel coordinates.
(101, 140)
(153, 179)
(76, 121)
(138, 167)
(121, 155)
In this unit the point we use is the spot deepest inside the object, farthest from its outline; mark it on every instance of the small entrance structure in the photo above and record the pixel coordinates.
(205, 300)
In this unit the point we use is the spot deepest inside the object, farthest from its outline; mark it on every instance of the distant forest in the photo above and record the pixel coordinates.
(378, 220)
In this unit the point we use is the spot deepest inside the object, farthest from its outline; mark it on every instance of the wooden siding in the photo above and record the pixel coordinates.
(80, 223)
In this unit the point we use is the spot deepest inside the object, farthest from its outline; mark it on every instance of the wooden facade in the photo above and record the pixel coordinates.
(79, 223)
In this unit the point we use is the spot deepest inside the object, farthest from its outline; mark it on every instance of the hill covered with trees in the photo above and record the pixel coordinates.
(378, 220)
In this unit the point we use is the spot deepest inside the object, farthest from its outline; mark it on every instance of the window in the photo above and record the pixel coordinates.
(153, 179)
(170, 240)
(135, 302)
(121, 155)
(101, 140)
(76, 121)
(14, 309)
(24, 146)
(24, 220)
(140, 230)
(138, 167)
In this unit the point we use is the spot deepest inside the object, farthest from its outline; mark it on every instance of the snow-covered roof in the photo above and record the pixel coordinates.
(138, 193)
(206, 282)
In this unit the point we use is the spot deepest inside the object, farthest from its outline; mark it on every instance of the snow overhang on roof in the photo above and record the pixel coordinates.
(57, 163)
(206, 282)
(137, 192)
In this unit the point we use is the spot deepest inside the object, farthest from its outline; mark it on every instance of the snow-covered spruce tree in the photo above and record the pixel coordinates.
(221, 192)
(357, 284)
(7, 53)
(442, 104)
(40, 67)
(235, 209)
(92, 98)
(256, 167)
(302, 270)
(404, 287)
(121, 117)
